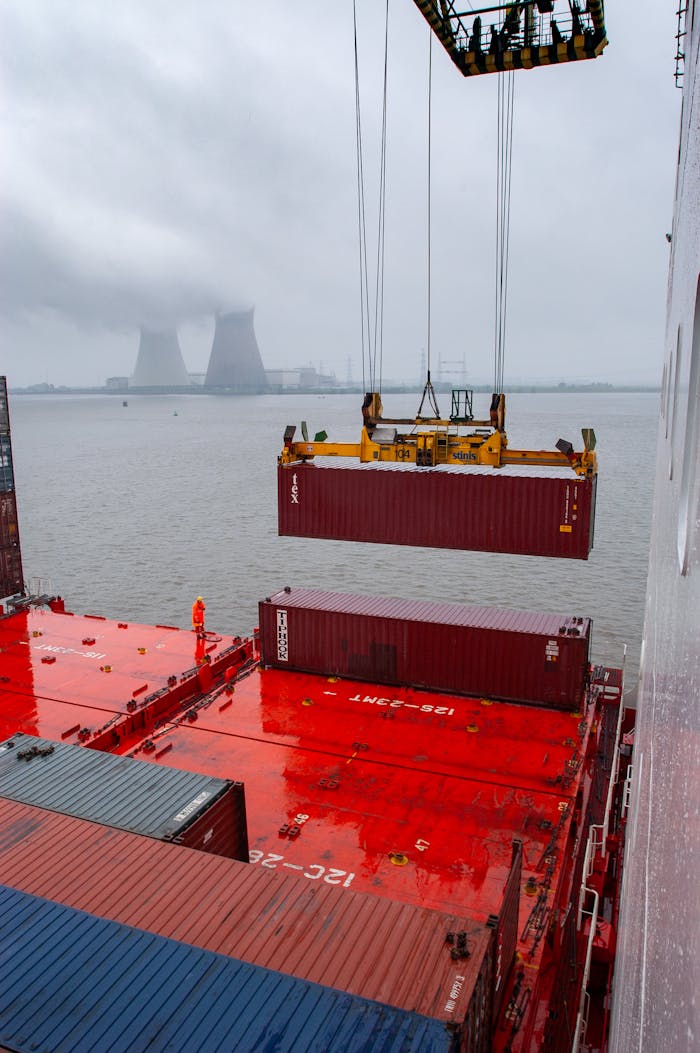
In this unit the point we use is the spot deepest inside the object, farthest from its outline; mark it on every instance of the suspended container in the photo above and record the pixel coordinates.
(524, 511)
(516, 656)
(164, 803)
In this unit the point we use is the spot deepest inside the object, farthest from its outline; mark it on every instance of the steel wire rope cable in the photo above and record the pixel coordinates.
(361, 217)
(372, 314)
(430, 195)
(379, 287)
(504, 156)
(428, 391)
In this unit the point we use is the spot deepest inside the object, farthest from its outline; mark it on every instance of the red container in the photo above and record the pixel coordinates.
(527, 511)
(9, 530)
(395, 953)
(11, 578)
(222, 828)
(517, 656)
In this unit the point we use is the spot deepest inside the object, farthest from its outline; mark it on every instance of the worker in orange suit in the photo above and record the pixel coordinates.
(198, 609)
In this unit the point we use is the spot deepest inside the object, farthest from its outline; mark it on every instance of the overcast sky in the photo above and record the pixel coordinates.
(161, 161)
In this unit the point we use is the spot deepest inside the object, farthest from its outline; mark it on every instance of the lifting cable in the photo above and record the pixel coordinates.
(428, 390)
(361, 221)
(504, 153)
(372, 315)
(379, 291)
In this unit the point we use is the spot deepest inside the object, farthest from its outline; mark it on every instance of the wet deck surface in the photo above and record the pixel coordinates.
(412, 795)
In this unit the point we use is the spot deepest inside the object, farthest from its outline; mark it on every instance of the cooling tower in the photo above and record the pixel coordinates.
(159, 363)
(235, 362)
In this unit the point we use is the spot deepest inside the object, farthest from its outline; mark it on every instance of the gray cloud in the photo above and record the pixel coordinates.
(164, 160)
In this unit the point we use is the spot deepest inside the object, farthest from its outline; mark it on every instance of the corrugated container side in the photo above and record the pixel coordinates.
(515, 656)
(71, 981)
(11, 577)
(566, 988)
(510, 665)
(478, 1024)
(223, 828)
(489, 510)
(370, 946)
(4, 406)
(9, 532)
(164, 803)
(507, 929)
(7, 476)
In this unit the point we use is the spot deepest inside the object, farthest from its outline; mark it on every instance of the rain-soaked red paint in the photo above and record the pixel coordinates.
(412, 795)
(61, 674)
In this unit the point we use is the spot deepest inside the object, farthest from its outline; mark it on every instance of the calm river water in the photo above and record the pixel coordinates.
(130, 512)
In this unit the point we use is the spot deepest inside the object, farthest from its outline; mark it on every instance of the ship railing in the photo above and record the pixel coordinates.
(40, 587)
(584, 1001)
(598, 834)
(627, 793)
(597, 842)
(592, 845)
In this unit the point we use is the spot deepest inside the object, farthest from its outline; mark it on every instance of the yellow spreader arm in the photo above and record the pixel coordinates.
(442, 445)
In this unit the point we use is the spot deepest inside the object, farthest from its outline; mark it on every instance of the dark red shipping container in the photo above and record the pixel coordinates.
(9, 529)
(222, 829)
(392, 952)
(526, 511)
(11, 577)
(517, 656)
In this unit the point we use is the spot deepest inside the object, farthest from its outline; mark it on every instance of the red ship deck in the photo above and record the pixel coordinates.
(62, 673)
(422, 786)
(412, 795)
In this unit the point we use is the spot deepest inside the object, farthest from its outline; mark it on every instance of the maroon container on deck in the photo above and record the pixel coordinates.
(518, 656)
(11, 579)
(526, 511)
(395, 953)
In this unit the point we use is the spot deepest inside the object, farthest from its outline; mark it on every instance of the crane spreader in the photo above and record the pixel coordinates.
(433, 441)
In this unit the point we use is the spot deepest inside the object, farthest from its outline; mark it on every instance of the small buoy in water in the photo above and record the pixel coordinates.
(174, 413)
(125, 403)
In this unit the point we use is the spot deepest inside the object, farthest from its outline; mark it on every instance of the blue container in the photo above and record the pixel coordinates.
(74, 983)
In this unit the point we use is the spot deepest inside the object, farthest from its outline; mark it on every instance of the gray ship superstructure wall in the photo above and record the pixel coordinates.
(657, 970)
(235, 363)
(159, 363)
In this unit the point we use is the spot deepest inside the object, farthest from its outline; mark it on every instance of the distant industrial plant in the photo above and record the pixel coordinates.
(235, 363)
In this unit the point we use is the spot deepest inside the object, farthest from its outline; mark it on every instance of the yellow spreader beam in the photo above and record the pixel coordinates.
(440, 443)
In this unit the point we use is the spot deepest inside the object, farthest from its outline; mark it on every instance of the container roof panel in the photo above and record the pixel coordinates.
(524, 471)
(74, 982)
(116, 791)
(390, 951)
(427, 611)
